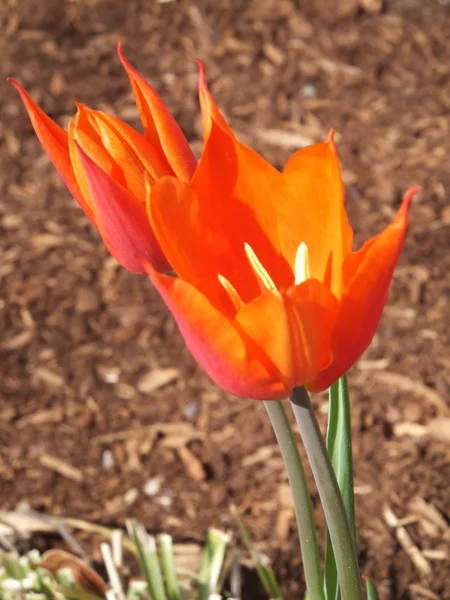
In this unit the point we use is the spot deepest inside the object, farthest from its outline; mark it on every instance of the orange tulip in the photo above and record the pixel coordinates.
(109, 167)
(269, 293)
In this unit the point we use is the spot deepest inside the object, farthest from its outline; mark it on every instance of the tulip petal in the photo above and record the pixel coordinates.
(160, 127)
(54, 140)
(315, 214)
(117, 149)
(203, 237)
(239, 191)
(293, 330)
(216, 343)
(196, 244)
(210, 112)
(122, 222)
(365, 295)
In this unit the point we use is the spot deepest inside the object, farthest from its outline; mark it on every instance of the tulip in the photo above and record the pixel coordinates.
(109, 167)
(269, 294)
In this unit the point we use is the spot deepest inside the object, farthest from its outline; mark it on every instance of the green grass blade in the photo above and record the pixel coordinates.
(260, 560)
(78, 594)
(371, 590)
(212, 562)
(339, 446)
(148, 559)
(14, 568)
(168, 566)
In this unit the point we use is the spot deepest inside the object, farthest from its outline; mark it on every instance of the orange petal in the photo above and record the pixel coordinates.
(54, 140)
(365, 295)
(122, 222)
(161, 129)
(118, 150)
(315, 212)
(128, 147)
(204, 235)
(239, 192)
(292, 330)
(209, 109)
(215, 342)
(195, 244)
(313, 311)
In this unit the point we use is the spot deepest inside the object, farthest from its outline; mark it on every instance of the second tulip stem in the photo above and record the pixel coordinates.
(301, 499)
(330, 496)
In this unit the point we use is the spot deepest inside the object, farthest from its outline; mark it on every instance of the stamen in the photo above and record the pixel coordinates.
(302, 272)
(231, 291)
(264, 279)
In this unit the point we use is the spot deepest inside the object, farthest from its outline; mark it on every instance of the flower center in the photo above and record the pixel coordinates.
(265, 281)
(301, 269)
(301, 273)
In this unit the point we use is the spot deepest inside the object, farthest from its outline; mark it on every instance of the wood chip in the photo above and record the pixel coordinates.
(51, 415)
(283, 139)
(261, 455)
(405, 541)
(193, 466)
(61, 467)
(418, 591)
(157, 378)
(18, 341)
(407, 384)
(85, 577)
(87, 300)
(48, 376)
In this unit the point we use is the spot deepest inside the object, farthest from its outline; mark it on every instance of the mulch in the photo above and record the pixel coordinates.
(103, 413)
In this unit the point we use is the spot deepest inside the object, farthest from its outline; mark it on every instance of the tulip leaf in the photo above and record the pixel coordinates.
(147, 556)
(339, 445)
(165, 545)
(371, 590)
(260, 560)
(212, 562)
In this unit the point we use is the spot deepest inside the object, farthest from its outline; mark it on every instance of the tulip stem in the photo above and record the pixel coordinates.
(301, 499)
(330, 496)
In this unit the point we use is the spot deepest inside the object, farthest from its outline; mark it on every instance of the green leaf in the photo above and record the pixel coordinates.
(339, 446)
(212, 562)
(78, 594)
(260, 560)
(148, 559)
(372, 593)
(168, 566)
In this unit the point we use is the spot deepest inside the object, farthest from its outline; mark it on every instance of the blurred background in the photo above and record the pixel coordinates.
(103, 412)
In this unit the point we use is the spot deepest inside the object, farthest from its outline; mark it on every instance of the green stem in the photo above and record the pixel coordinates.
(330, 496)
(301, 499)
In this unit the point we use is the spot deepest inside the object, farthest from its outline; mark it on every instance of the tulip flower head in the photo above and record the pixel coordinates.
(269, 294)
(109, 167)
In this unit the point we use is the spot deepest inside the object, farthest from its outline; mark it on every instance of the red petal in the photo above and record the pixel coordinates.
(160, 127)
(122, 222)
(54, 140)
(365, 295)
(210, 112)
(215, 342)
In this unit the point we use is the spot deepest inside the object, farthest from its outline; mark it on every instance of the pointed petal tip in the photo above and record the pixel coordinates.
(201, 67)
(19, 88)
(131, 71)
(403, 212)
(81, 108)
(409, 195)
(331, 135)
(122, 58)
(202, 84)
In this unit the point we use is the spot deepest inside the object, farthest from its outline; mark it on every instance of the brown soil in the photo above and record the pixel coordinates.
(98, 395)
